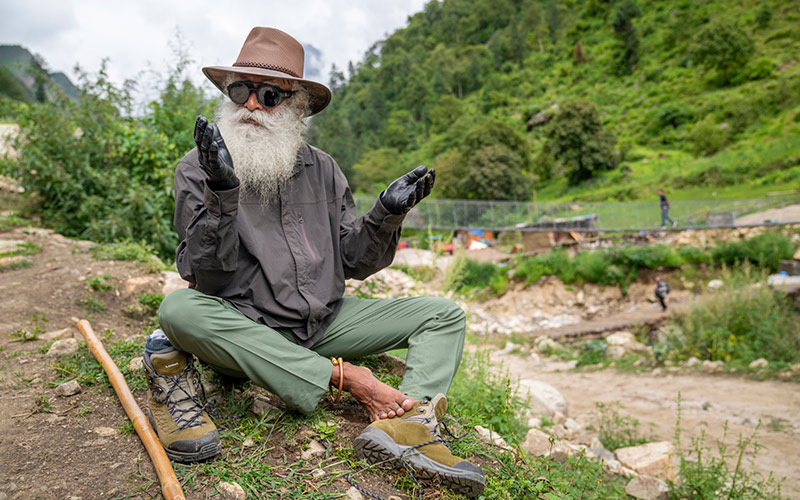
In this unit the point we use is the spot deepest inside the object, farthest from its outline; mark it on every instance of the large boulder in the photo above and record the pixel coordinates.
(651, 459)
(543, 397)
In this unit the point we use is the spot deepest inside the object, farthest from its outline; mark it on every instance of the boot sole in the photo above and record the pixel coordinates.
(376, 447)
(206, 451)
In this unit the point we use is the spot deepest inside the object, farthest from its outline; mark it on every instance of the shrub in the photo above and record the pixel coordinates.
(741, 323)
(707, 137)
(765, 250)
(723, 46)
(693, 255)
(465, 274)
(616, 430)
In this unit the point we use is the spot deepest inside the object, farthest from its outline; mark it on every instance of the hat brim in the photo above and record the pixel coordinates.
(320, 95)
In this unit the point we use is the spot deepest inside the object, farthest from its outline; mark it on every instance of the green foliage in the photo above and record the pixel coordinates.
(33, 333)
(465, 274)
(98, 172)
(765, 250)
(83, 367)
(100, 283)
(708, 473)
(616, 430)
(708, 137)
(140, 253)
(626, 52)
(576, 139)
(487, 397)
(743, 321)
(152, 301)
(723, 46)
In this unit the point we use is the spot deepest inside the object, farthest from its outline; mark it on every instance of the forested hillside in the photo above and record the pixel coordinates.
(592, 100)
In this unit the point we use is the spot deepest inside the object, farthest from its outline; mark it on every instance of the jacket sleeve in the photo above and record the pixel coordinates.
(205, 221)
(368, 243)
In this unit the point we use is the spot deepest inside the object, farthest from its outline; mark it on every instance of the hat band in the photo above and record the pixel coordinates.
(273, 67)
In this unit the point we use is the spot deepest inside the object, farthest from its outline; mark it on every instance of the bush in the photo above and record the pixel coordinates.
(739, 324)
(465, 274)
(707, 137)
(765, 250)
(693, 255)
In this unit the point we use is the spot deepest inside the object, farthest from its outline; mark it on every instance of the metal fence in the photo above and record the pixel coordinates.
(583, 217)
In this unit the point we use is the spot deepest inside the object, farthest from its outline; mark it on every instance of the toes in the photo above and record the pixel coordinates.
(407, 404)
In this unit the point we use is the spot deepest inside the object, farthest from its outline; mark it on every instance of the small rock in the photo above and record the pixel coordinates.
(136, 364)
(231, 491)
(692, 362)
(134, 283)
(572, 425)
(57, 334)
(354, 494)
(491, 437)
(536, 443)
(647, 488)
(535, 423)
(714, 284)
(68, 388)
(759, 363)
(248, 443)
(561, 451)
(314, 448)
(712, 366)
(262, 406)
(652, 459)
(543, 397)
(318, 473)
(706, 405)
(62, 347)
(105, 431)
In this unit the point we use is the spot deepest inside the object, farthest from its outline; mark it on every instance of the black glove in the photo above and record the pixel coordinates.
(408, 190)
(215, 160)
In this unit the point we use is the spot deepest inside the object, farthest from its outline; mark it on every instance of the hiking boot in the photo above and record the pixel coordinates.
(412, 441)
(176, 410)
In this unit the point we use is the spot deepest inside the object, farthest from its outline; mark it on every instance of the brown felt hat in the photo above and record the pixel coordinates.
(273, 53)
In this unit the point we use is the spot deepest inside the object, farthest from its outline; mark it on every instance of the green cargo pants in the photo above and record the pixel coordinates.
(432, 328)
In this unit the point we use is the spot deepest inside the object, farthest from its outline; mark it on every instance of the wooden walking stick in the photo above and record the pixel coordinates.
(170, 486)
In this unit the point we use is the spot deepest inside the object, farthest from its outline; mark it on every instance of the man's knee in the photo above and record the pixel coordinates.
(175, 309)
(450, 312)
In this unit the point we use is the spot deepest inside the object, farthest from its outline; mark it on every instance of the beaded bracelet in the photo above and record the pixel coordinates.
(337, 362)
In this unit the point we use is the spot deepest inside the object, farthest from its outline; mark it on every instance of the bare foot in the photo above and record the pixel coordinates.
(378, 399)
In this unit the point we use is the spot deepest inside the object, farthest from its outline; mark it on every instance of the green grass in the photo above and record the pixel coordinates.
(129, 251)
(744, 320)
(100, 283)
(83, 367)
(13, 266)
(22, 249)
(616, 430)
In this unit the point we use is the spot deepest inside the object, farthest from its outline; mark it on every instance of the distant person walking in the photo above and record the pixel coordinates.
(662, 289)
(662, 200)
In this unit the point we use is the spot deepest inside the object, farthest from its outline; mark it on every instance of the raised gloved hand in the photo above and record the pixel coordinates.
(408, 190)
(215, 160)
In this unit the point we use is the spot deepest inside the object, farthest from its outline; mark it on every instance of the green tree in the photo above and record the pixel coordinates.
(576, 139)
(723, 46)
(626, 52)
(375, 170)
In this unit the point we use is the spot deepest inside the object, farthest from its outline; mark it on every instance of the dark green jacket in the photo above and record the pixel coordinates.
(283, 265)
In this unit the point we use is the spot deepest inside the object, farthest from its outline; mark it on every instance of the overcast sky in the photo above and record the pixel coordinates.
(137, 35)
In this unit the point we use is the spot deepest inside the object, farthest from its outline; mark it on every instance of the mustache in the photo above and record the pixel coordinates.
(243, 114)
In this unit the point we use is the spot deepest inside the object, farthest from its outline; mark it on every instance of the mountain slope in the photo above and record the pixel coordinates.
(695, 125)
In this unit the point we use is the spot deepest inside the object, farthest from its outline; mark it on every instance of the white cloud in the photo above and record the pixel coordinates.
(138, 35)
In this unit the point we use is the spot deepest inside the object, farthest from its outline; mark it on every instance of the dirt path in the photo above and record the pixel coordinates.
(708, 401)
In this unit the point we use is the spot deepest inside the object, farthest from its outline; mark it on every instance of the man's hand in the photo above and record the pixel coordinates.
(215, 160)
(408, 190)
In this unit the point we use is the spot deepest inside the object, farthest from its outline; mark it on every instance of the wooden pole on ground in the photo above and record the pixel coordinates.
(170, 486)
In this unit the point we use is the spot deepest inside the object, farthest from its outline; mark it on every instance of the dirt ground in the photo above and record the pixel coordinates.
(708, 402)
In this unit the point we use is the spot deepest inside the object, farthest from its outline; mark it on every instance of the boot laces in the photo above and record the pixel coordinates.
(177, 393)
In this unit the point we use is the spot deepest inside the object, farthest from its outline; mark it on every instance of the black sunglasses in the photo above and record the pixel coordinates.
(268, 95)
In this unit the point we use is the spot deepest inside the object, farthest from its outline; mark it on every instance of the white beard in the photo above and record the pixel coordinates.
(263, 155)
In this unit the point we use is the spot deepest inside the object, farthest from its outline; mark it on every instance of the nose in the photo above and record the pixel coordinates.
(252, 103)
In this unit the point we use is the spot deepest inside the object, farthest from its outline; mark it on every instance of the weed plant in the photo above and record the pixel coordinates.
(130, 251)
(100, 283)
(706, 474)
(83, 367)
(616, 430)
